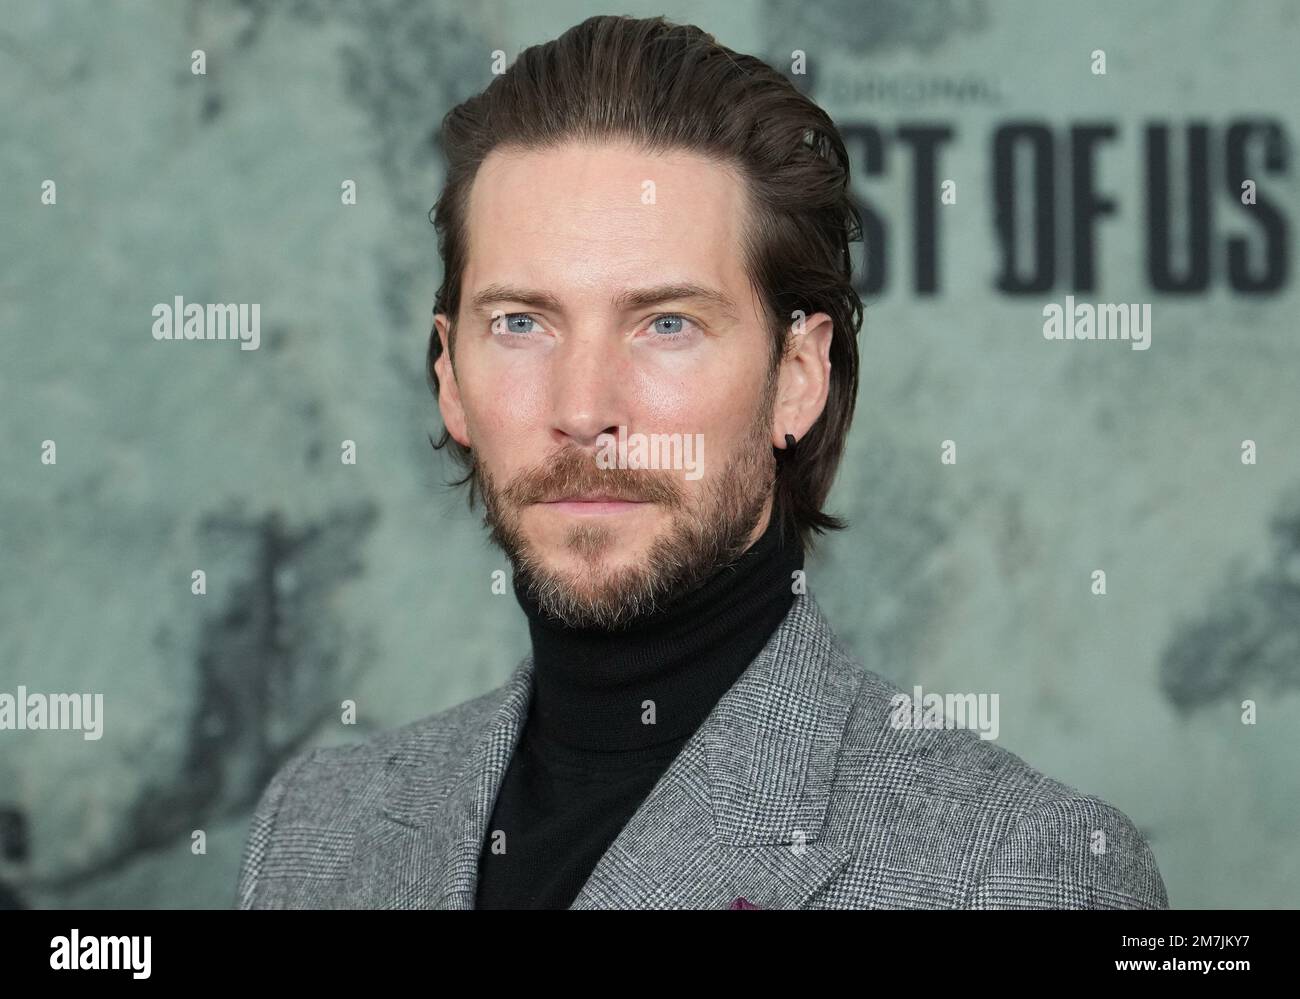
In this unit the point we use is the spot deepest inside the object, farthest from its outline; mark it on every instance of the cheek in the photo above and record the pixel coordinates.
(505, 411)
(718, 399)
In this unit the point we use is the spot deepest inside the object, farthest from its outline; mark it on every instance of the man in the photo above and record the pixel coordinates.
(644, 354)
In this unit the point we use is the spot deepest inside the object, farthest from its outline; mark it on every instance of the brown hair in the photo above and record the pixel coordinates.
(670, 86)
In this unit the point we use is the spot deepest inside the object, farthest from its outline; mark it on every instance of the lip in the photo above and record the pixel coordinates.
(593, 505)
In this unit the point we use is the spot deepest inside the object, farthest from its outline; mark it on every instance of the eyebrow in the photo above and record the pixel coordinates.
(635, 298)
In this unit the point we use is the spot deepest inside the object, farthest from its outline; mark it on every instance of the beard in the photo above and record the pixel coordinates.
(704, 533)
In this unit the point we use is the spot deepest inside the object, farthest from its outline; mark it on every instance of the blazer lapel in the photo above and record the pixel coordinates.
(738, 813)
(424, 853)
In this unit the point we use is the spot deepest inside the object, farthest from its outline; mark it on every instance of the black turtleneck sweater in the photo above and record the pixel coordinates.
(585, 760)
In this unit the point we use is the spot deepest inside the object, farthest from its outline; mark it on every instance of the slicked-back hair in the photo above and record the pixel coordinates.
(670, 87)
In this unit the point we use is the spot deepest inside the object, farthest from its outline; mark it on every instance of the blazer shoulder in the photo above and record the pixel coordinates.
(334, 790)
(992, 830)
(1073, 852)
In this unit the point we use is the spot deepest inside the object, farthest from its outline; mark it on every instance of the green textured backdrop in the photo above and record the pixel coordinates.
(371, 582)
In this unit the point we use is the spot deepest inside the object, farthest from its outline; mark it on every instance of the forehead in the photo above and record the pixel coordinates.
(586, 219)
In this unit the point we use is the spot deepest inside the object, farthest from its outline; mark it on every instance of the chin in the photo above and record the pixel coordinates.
(584, 560)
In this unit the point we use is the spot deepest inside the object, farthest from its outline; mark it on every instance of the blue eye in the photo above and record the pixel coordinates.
(671, 333)
(504, 323)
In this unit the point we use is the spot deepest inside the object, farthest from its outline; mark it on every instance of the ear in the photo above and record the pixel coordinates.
(453, 413)
(804, 378)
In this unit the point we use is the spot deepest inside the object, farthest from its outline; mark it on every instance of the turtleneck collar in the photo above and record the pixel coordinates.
(590, 686)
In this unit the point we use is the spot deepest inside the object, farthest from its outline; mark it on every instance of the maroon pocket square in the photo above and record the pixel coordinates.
(743, 903)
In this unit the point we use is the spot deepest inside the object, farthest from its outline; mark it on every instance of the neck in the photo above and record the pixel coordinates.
(596, 691)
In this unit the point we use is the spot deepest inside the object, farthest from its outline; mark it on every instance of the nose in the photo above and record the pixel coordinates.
(589, 380)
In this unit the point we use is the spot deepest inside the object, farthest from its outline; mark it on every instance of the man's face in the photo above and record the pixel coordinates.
(576, 330)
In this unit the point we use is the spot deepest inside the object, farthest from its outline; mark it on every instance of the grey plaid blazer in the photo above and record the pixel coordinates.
(796, 792)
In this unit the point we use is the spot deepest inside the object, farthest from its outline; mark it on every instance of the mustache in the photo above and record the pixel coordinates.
(574, 472)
